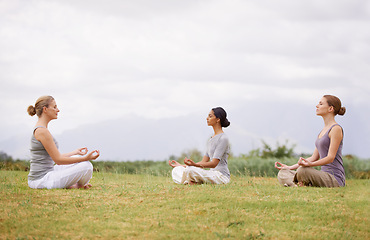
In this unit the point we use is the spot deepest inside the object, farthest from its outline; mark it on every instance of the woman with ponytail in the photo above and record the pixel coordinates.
(327, 154)
(215, 158)
(49, 168)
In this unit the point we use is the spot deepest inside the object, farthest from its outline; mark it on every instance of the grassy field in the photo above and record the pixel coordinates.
(121, 206)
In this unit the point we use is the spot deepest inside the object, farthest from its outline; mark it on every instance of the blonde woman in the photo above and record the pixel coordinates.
(49, 168)
(215, 157)
(327, 154)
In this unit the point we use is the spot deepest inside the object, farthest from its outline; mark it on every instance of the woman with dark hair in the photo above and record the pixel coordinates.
(215, 158)
(50, 168)
(327, 154)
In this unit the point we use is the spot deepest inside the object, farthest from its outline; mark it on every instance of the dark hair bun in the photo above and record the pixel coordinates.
(225, 123)
(342, 111)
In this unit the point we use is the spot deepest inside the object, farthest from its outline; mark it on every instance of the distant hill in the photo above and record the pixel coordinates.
(138, 138)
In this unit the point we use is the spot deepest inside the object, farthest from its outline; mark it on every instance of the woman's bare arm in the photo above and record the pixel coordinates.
(43, 135)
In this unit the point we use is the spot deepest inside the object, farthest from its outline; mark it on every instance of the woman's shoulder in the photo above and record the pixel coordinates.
(336, 127)
(40, 129)
(224, 137)
(337, 130)
(41, 132)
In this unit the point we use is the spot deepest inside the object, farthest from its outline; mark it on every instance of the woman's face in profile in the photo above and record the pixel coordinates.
(323, 107)
(211, 119)
(52, 110)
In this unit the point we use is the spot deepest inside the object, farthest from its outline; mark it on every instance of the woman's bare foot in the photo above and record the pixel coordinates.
(193, 183)
(174, 163)
(87, 186)
(75, 186)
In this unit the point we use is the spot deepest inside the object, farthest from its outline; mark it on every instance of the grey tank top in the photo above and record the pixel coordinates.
(41, 162)
(218, 147)
(336, 167)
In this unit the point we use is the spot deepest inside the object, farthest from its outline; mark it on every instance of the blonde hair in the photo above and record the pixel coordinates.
(336, 104)
(41, 102)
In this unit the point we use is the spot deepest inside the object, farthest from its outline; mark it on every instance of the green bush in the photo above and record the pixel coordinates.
(281, 151)
(157, 168)
(7, 163)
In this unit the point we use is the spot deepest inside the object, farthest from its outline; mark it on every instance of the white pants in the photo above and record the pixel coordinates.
(64, 176)
(185, 175)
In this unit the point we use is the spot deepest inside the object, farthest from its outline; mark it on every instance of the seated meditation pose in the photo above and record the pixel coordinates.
(215, 158)
(327, 154)
(49, 168)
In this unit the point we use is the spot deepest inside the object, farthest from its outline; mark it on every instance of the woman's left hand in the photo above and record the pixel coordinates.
(304, 162)
(189, 162)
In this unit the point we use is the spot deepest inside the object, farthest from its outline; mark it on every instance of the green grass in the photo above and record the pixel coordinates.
(121, 206)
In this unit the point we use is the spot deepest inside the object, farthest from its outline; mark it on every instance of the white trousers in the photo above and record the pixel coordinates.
(64, 176)
(185, 175)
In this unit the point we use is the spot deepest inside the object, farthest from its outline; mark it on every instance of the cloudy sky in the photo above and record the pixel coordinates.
(145, 65)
